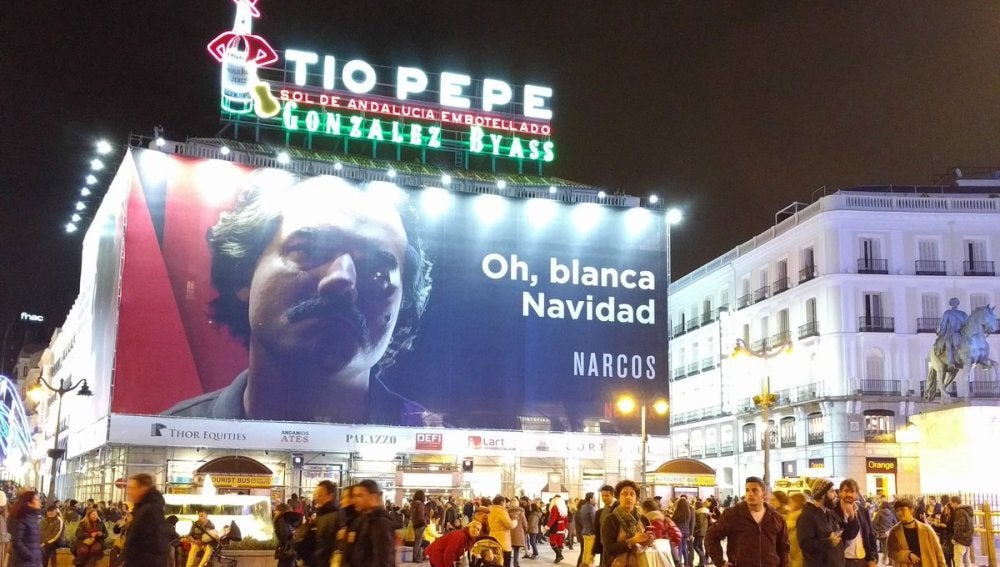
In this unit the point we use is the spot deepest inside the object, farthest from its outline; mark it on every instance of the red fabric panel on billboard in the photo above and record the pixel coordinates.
(149, 324)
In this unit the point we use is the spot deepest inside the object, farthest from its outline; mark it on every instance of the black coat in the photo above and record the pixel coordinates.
(375, 540)
(813, 529)
(25, 539)
(148, 539)
(326, 525)
(748, 543)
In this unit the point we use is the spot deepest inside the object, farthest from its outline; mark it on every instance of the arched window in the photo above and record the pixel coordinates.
(816, 424)
(788, 431)
(772, 434)
(880, 426)
(750, 437)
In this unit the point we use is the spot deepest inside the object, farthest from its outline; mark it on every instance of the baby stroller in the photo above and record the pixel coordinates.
(486, 552)
(230, 533)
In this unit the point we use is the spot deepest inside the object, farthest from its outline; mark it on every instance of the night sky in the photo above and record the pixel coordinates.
(729, 110)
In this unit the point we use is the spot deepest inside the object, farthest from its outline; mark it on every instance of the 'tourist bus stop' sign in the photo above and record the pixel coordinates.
(308, 94)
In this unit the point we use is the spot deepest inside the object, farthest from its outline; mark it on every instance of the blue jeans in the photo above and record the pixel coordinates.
(685, 550)
(533, 542)
(418, 539)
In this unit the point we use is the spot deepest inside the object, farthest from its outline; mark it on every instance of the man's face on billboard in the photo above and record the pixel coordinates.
(327, 289)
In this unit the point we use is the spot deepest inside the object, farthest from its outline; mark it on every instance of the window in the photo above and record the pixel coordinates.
(706, 310)
(783, 321)
(873, 305)
(697, 443)
(808, 261)
(750, 437)
(927, 250)
(726, 436)
(764, 282)
(880, 426)
(782, 270)
(975, 250)
(815, 424)
(746, 333)
(930, 305)
(977, 300)
(870, 249)
(788, 432)
(874, 365)
(711, 439)
(682, 445)
(772, 434)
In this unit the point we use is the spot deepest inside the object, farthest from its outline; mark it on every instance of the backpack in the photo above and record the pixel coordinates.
(304, 540)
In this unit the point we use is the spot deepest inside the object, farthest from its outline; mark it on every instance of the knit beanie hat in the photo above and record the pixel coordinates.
(819, 487)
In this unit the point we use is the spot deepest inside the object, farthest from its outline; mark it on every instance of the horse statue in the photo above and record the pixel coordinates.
(961, 343)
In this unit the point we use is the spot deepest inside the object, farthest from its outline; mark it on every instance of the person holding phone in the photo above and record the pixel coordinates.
(819, 528)
(624, 531)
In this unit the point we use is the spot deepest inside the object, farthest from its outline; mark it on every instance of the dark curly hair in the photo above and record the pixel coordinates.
(243, 232)
(625, 484)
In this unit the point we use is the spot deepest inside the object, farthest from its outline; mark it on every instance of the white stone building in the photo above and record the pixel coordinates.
(844, 297)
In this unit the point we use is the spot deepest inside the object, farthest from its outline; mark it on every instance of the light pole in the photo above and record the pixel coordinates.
(626, 404)
(65, 387)
(765, 400)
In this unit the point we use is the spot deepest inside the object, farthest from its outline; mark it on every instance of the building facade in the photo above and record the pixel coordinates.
(839, 301)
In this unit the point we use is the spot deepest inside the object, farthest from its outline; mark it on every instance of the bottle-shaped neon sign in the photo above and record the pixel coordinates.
(241, 52)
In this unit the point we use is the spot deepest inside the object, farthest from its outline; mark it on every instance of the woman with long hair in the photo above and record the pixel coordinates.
(25, 533)
(90, 536)
(684, 518)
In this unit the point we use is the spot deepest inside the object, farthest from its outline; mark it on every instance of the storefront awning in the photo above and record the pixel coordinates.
(683, 472)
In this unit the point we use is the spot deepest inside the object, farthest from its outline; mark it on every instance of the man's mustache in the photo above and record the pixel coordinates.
(329, 308)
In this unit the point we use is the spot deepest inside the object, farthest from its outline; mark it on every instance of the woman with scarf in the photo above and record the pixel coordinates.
(623, 531)
(558, 525)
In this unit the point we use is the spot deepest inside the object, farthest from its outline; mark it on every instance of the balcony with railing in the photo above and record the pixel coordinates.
(880, 388)
(692, 369)
(712, 451)
(869, 324)
(726, 449)
(873, 266)
(931, 267)
(780, 285)
(810, 329)
(678, 373)
(815, 438)
(807, 273)
(760, 345)
(722, 308)
(707, 317)
(978, 268)
(746, 405)
(779, 340)
(744, 301)
(989, 389)
(928, 324)
(761, 293)
(697, 415)
(693, 323)
(784, 397)
(707, 363)
(678, 330)
(807, 392)
(952, 389)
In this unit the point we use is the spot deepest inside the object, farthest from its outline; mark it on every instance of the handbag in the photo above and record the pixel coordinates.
(628, 559)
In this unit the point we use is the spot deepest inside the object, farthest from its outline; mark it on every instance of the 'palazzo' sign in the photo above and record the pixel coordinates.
(307, 92)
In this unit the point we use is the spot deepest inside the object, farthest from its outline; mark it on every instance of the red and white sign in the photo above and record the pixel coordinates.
(430, 441)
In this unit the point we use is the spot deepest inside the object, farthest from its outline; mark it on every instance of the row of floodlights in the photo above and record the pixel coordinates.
(103, 148)
(673, 215)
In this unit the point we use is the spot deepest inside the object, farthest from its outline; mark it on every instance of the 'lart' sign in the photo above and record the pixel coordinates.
(320, 94)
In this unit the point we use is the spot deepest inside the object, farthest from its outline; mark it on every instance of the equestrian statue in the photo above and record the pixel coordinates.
(961, 343)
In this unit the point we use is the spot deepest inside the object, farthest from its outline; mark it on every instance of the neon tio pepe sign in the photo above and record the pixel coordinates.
(319, 94)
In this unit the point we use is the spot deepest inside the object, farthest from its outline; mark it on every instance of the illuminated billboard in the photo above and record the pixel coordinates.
(310, 96)
(264, 295)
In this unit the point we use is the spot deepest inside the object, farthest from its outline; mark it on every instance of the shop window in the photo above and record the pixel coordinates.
(880, 426)
(788, 432)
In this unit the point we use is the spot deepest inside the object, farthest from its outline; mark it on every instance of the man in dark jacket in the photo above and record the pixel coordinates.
(818, 528)
(147, 534)
(963, 529)
(418, 519)
(326, 524)
(756, 534)
(860, 543)
(608, 501)
(373, 534)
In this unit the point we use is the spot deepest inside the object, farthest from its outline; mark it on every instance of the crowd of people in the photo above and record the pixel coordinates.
(830, 526)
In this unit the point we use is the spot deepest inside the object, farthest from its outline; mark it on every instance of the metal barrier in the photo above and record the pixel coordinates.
(988, 527)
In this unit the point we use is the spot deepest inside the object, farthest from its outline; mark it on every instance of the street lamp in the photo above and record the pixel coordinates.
(37, 393)
(626, 404)
(765, 400)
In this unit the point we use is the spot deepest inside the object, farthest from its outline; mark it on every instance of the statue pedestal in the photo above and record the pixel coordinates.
(956, 448)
